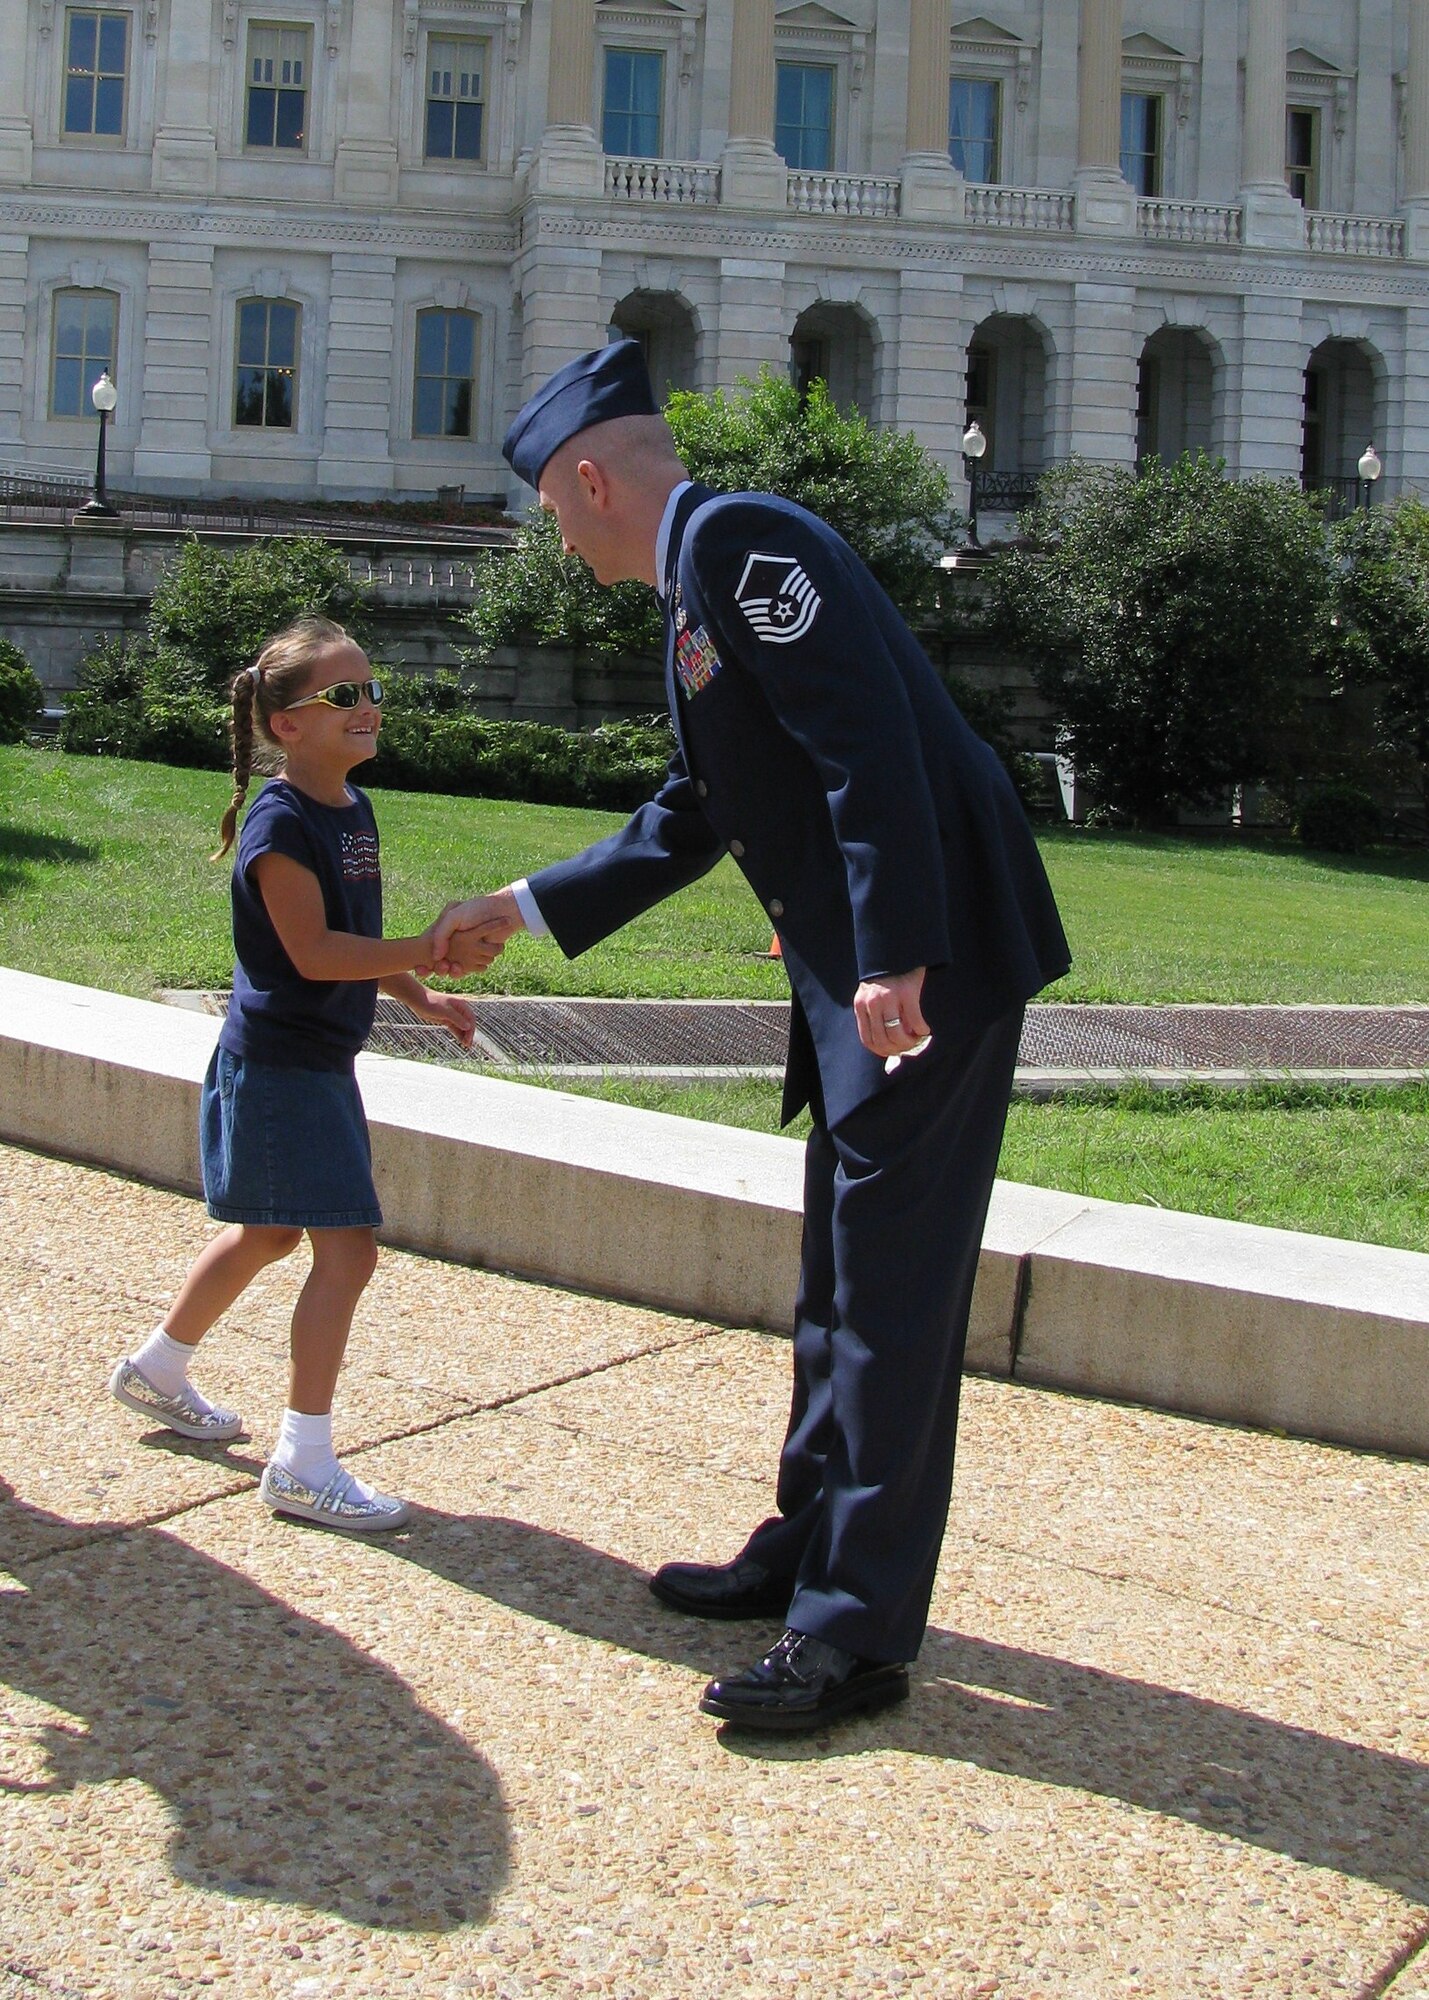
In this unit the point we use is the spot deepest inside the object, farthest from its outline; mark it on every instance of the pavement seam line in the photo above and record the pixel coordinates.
(1383, 1982)
(115, 1530)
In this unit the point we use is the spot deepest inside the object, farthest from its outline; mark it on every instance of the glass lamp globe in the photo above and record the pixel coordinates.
(104, 395)
(1370, 466)
(974, 443)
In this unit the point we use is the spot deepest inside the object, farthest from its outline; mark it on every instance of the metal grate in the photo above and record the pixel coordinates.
(753, 1034)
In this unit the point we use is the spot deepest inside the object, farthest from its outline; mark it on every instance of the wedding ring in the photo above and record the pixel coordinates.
(894, 1023)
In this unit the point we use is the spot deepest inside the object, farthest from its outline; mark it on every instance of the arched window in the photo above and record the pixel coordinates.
(265, 391)
(444, 392)
(82, 346)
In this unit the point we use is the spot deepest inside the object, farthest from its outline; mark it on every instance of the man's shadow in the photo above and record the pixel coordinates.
(1313, 1798)
(294, 1767)
(23, 851)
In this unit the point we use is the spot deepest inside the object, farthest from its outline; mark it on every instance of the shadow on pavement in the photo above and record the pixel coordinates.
(294, 1767)
(1313, 1798)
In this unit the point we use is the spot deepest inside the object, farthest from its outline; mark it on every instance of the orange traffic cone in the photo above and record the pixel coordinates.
(774, 951)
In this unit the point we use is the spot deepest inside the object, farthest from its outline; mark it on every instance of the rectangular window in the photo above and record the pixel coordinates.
(634, 86)
(973, 107)
(82, 348)
(446, 374)
(456, 101)
(804, 116)
(1141, 141)
(96, 63)
(266, 375)
(276, 113)
(1302, 148)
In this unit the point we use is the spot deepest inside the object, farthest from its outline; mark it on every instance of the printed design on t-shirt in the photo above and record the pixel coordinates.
(359, 857)
(778, 598)
(696, 661)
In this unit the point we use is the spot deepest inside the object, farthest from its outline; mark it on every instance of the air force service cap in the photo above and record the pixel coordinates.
(608, 382)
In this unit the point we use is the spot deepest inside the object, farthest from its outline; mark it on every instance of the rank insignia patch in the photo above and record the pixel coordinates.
(777, 597)
(696, 661)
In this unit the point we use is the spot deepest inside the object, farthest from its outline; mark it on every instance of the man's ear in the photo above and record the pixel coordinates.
(592, 476)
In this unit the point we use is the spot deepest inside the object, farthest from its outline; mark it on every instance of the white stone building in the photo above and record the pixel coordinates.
(328, 245)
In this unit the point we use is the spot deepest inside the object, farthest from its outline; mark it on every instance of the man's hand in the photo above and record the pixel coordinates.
(468, 936)
(889, 1013)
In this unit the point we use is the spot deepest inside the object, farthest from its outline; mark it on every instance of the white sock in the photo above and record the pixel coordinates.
(165, 1362)
(304, 1448)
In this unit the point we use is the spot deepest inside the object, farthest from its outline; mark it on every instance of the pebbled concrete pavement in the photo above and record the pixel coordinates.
(1169, 1735)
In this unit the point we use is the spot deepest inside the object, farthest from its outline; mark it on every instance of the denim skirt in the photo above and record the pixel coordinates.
(286, 1147)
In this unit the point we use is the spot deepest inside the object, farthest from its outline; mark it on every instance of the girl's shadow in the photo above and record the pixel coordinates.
(294, 1767)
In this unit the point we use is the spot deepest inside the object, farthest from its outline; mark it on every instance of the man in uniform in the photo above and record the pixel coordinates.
(818, 747)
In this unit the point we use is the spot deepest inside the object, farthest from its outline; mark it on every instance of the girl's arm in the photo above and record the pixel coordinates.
(293, 898)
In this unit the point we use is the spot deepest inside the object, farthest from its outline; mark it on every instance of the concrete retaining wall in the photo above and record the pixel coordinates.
(1307, 1334)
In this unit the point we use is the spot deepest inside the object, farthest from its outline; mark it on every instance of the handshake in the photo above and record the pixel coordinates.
(468, 937)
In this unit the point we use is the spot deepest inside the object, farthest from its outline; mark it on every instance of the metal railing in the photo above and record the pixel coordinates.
(871, 195)
(676, 183)
(1018, 208)
(1354, 235)
(1003, 492)
(1188, 221)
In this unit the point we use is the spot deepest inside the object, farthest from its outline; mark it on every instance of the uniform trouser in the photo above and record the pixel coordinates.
(895, 1198)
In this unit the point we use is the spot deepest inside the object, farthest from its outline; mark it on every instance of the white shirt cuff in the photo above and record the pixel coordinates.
(530, 909)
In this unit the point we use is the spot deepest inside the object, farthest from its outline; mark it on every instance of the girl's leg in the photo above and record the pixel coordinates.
(343, 1262)
(224, 1268)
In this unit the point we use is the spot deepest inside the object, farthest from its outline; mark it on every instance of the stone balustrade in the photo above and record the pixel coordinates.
(1354, 235)
(1188, 221)
(676, 183)
(1019, 208)
(843, 194)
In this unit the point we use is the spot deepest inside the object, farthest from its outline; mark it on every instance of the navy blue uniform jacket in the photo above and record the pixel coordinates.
(818, 746)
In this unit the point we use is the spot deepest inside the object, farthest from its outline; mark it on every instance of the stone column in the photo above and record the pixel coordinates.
(569, 160)
(752, 173)
(932, 187)
(1105, 204)
(185, 144)
(178, 351)
(751, 329)
(357, 387)
(1416, 138)
(1268, 427)
(1105, 355)
(16, 137)
(933, 334)
(1271, 218)
(366, 167)
(14, 259)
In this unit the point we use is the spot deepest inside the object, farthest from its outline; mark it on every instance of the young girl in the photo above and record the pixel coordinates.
(284, 1139)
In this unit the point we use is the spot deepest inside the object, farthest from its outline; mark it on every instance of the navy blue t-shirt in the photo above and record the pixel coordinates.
(276, 1016)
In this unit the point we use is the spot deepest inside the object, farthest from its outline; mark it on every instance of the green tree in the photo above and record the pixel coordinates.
(212, 609)
(1383, 558)
(1165, 615)
(879, 489)
(21, 696)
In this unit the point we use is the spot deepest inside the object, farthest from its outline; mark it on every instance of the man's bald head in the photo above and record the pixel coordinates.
(607, 487)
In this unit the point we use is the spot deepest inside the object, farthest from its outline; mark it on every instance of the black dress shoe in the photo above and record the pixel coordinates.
(739, 1589)
(803, 1683)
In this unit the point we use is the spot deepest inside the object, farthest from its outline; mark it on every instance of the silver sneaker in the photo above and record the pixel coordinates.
(336, 1505)
(182, 1413)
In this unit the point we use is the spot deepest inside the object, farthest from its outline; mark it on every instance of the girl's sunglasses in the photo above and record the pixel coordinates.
(344, 694)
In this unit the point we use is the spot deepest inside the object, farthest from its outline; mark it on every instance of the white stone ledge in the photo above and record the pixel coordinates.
(1308, 1334)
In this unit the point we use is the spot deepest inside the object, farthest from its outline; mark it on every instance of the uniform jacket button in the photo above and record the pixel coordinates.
(736, 848)
(702, 790)
(776, 908)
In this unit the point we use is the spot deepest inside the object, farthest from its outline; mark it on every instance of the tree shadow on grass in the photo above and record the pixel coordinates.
(23, 852)
(295, 1768)
(1311, 1797)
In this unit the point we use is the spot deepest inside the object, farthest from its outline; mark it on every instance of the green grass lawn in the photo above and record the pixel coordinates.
(104, 880)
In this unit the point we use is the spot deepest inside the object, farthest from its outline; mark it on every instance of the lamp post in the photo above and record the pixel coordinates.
(104, 396)
(974, 445)
(1369, 469)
